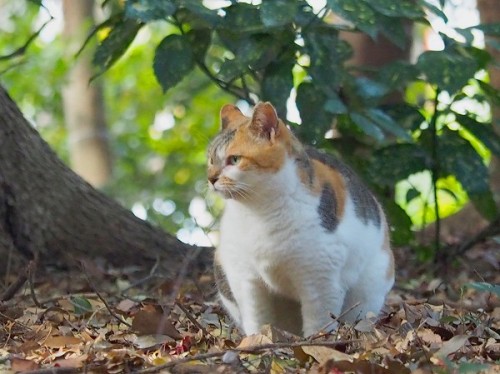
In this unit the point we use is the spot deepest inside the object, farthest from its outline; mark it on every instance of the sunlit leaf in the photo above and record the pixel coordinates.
(484, 132)
(449, 71)
(394, 163)
(457, 157)
(115, 44)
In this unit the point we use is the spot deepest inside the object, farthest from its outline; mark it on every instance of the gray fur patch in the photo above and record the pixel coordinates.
(365, 205)
(327, 208)
(222, 283)
(221, 141)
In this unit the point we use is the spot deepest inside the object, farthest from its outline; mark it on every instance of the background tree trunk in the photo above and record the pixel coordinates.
(47, 209)
(489, 12)
(83, 100)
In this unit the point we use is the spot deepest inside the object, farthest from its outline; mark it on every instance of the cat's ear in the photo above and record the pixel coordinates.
(265, 122)
(229, 114)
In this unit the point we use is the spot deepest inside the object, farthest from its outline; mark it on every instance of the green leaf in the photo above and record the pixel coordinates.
(396, 162)
(357, 12)
(199, 39)
(399, 222)
(173, 61)
(407, 116)
(278, 12)
(327, 53)
(243, 18)
(277, 84)
(388, 124)
(335, 105)
(434, 9)
(369, 91)
(367, 125)
(411, 194)
(115, 44)
(448, 70)
(397, 75)
(199, 16)
(315, 120)
(492, 93)
(149, 10)
(394, 30)
(82, 305)
(486, 287)
(401, 8)
(482, 131)
(457, 157)
(492, 29)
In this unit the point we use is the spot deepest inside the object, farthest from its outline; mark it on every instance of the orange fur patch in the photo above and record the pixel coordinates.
(259, 153)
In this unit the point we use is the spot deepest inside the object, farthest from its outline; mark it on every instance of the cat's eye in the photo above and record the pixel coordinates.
(233, 160)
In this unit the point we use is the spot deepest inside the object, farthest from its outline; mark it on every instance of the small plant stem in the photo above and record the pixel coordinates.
(435, 172)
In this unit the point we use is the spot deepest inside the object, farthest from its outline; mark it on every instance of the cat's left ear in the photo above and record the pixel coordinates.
(265, 121)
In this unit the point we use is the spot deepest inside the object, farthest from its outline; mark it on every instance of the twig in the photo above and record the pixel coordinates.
(17, 284)
(21, 50)
(191, 318)
(320, 334)
(251, 349)
(55, 370)
(113, 314)
(31, 280)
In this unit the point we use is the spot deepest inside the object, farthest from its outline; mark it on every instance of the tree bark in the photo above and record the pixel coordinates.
(489, 12)
(83, 101)
(48, 211)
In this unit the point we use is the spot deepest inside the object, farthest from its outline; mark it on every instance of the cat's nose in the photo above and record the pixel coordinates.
(213, 179)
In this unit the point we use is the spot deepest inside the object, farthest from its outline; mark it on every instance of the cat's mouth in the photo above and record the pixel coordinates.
(231, 191)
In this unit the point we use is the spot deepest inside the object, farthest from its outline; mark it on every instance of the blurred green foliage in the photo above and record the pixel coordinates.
(203, 57)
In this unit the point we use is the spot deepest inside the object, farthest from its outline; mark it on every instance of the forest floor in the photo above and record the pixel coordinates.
(118, 321)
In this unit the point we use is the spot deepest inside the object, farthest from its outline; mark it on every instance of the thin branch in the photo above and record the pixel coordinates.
(113, 314)
(21, 50)
(489, 231)
(251, 349)
(192, 318)
(17, 284)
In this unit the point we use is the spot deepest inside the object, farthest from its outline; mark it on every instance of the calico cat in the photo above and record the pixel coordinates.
(301, 237)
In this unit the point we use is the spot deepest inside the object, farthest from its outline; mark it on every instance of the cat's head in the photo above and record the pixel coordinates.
(247, 151)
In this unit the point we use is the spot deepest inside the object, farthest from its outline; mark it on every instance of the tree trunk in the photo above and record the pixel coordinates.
(49, 211)
(489, 12)
(83, 100)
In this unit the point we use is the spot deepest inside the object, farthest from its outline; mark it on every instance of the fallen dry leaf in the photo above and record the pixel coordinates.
(451, 346)
(61, 341)
(254, 340)
(324, 354)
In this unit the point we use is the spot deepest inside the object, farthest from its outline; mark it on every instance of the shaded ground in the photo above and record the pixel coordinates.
(120, 320)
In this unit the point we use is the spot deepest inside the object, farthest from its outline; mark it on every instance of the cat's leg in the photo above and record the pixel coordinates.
(255, 305)
(368, 293)
(319, 300)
